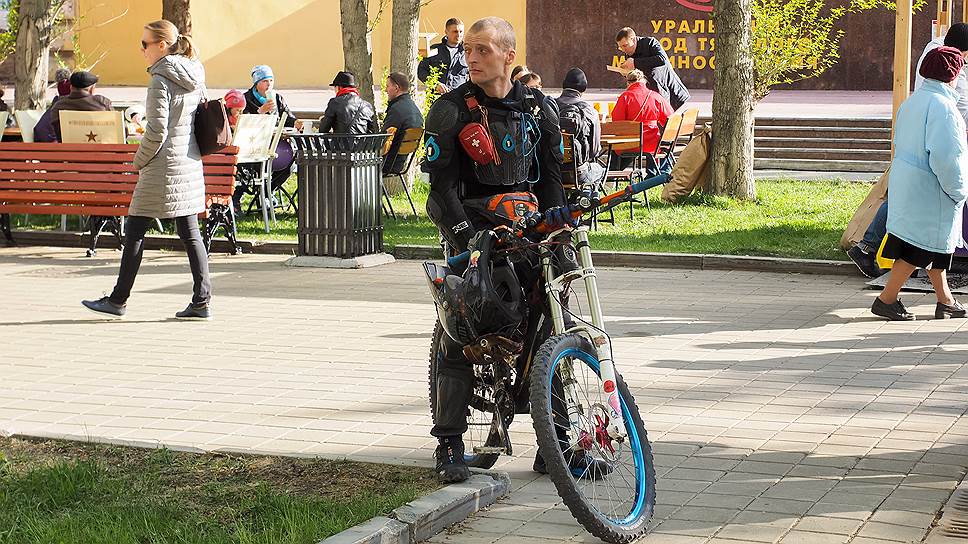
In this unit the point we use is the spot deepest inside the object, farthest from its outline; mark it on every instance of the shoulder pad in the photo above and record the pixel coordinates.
(440, 134)
(442, 117)
(549, 113)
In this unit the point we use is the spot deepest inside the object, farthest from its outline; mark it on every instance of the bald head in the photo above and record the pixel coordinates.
(501, 31)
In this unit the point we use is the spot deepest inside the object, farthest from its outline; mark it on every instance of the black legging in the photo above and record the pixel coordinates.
(134, 238)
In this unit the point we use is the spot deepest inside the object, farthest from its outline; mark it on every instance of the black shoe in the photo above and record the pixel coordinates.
(944, 311)
(196, 312)
(451, 467)
(893, 312)
(105, 308)
(581, 465)
(866, 262)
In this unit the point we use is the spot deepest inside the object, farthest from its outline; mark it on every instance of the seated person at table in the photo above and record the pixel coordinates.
(519, 71)
(234, 102)
(263, 99)
(580, 119)
(44, 130)
(63, 78)
(640, 103)
(4, 107)
(82, 98)
(348, 113)
(402, 114)
(531, 80)
(134, 119)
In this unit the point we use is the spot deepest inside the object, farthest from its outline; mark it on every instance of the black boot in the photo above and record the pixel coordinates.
(449, 455)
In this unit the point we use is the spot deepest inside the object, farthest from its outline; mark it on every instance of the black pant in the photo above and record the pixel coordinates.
(455, 374)
(134, 239)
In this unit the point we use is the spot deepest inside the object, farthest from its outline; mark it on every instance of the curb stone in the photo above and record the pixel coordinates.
(622, 259)
(379, 530)
(426, 516)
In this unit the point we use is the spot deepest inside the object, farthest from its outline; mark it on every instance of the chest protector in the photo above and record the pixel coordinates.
(502, 143)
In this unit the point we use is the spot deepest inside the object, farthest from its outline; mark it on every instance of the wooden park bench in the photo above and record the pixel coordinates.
(97, 181)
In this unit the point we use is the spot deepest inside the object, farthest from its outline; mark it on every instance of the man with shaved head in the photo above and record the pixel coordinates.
(488, 141)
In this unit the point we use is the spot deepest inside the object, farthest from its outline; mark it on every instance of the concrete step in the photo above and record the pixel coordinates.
(820, 165)
(825, 154)
(823, 132)
(816, 122)
(821, 143)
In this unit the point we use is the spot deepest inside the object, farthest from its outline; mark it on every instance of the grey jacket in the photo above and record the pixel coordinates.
(170, 178)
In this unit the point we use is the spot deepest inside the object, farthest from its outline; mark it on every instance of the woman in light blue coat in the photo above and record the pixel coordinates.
(928, 187)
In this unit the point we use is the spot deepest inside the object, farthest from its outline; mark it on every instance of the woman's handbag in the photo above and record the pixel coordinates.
(212, 130)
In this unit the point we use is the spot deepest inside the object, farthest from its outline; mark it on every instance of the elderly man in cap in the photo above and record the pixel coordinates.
(82, 98)
(348, 113)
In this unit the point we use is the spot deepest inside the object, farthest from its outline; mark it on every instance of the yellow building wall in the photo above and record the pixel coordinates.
(300, 39)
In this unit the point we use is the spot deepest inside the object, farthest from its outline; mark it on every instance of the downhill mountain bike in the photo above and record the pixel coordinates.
(560, 369)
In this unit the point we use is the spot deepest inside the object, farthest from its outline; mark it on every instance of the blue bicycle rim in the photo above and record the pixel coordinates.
(640, 481)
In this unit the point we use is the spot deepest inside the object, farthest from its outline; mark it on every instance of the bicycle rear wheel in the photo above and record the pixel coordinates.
(616, 498)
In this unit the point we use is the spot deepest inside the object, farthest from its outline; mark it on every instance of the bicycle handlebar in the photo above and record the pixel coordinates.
(606, 202)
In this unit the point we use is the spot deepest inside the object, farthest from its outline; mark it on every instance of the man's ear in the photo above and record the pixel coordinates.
(512, 54)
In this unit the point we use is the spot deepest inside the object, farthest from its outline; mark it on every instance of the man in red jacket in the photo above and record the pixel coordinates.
(642, 104)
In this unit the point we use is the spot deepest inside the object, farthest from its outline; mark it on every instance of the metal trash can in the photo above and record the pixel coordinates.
(339, 194)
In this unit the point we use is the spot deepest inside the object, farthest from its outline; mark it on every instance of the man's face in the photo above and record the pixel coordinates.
(487, 60)
(627, 45)
(265, 85)
(455, 34)
(393, 90)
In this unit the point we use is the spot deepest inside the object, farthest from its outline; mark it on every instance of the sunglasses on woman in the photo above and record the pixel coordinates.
(144, 44)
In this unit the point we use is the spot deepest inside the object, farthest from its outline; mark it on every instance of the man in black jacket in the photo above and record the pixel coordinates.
(449, 58)
(580, 119)
(521, 131)
(646, 54)
(402, 114)
(348, 113)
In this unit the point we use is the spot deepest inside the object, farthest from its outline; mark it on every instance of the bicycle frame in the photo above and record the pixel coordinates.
(554, 288)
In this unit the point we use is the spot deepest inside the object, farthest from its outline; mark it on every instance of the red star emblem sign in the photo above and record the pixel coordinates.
(697, 5)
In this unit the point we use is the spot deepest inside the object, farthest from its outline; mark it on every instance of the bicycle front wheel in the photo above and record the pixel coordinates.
(609, 486)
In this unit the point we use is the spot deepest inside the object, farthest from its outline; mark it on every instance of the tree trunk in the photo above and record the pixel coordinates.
(178, 12)
(403, 48)
(357, 50)
(732, 153)
(403, 59)
(32, 56)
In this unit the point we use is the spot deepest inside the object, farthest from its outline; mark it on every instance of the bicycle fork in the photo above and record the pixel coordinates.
(596, 333)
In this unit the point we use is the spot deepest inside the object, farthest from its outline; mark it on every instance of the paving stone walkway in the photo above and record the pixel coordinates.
(780, 410)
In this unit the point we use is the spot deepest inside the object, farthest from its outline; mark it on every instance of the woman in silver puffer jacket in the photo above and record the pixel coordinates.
(171, 184)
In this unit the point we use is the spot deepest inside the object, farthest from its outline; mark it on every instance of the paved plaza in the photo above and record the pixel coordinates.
(779, 409)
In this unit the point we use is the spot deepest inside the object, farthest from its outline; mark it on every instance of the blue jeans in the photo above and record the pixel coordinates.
(876, 231)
